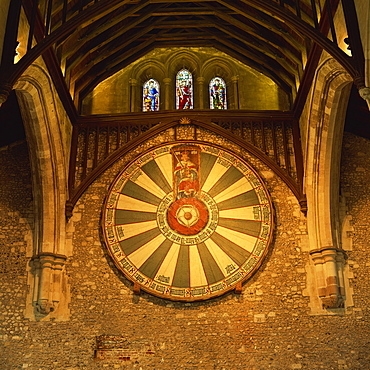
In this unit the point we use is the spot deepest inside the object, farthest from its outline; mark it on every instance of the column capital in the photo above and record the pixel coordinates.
(51, 260)
(5, 89)
(365, 94)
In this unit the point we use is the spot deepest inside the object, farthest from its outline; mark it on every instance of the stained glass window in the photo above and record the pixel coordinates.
(151, 96)
(217, 93)
(184, 90)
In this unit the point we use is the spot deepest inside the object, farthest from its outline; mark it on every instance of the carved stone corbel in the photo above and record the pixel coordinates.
(329, 264)
(365, 94)
(47, 269)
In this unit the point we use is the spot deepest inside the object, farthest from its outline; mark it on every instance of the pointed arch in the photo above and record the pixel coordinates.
(324, 142)
(47, 128)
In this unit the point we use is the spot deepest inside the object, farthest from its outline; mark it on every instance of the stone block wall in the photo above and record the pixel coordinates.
(269, 326)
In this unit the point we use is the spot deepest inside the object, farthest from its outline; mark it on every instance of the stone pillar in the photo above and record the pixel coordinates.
(47, 290)
(167, 92)
(200, 81)
(235, 81)
(133, 86)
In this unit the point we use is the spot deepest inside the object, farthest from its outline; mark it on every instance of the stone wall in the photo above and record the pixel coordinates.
(269, 326)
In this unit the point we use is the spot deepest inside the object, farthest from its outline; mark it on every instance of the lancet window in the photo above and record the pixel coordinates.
(151, 96)
(217, 93)
(184, 89)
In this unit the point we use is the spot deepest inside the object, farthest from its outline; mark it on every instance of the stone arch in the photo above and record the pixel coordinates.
(139, 74)
(49, 163)
(330, 94)
(183, 60)
(216, 67)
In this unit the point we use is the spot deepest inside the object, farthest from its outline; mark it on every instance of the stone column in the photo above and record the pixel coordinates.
(235, 81)
(200, 81)
(167, 92)
(133, 86)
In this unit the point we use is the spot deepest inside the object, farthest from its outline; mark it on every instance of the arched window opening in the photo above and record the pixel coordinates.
(151, 96)
(184, 90)
(217, 93)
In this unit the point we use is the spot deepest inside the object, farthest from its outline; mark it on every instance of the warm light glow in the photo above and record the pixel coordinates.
(17, 55)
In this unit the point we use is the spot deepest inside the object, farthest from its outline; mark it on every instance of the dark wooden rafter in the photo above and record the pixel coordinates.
(315, 34)
(315, 54)
(268, 64)
(97, 55)
(129, 56)
(274, 31)
(53, 67)
(109, 39)
(256, 59)
(264, 46)
(107, 29)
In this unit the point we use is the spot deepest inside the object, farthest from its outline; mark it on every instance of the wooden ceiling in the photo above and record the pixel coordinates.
(116, 38)
(86, 41)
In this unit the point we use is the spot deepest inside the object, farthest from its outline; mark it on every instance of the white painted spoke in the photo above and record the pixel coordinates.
(148, 184)
(239, 187)
(221, 258)
(244, 241)
(131, 204)
(137, 228)
(243, 213)
(164, 163)
(197, 275)
(168, 265)
(139, 256)
(217, 171)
